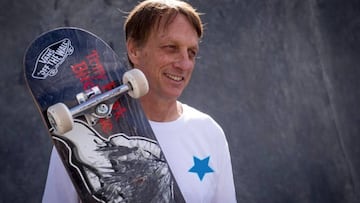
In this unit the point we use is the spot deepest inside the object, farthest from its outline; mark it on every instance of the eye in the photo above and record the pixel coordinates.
(192, 53)
(170, 48)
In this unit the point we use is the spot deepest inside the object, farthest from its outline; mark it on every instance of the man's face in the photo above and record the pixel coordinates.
(168, 58)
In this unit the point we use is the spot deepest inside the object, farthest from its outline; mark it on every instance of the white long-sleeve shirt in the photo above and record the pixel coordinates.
(197, 153)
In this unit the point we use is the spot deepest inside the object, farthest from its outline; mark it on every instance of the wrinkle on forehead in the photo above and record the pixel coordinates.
(161, 31)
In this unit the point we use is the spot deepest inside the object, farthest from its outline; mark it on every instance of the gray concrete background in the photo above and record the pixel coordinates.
(280, 76)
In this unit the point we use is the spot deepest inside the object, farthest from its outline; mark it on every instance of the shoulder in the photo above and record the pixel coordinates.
(199, 118)
(192, 113)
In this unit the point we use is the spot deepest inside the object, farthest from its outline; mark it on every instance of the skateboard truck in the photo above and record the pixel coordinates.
(94, 105)
(102, 110)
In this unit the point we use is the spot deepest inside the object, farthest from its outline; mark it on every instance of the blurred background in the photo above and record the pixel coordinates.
(282, 77)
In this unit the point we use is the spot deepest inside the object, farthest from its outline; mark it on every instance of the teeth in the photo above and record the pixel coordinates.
(174, 77)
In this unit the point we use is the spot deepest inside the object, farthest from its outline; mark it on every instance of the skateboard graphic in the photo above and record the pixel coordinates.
(88, 101)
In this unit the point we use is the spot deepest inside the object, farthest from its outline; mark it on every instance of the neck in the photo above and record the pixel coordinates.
(161, 111)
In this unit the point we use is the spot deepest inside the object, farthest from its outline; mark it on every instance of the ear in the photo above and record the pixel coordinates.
(132, 51)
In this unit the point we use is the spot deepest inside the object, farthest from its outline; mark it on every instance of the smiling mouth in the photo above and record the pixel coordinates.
(174, 77)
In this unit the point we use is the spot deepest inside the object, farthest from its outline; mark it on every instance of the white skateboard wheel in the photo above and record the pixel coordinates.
(60, 118)
(138, 83)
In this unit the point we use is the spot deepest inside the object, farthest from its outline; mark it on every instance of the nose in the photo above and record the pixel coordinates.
(184, 61)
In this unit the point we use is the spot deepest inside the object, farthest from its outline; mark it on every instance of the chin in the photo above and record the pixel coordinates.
(174, 95)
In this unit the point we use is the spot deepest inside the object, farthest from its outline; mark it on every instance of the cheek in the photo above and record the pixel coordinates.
(144, 64)
(191, 69)
(147, 68)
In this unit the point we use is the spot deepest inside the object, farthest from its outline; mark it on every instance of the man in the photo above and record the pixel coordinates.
(162, 39)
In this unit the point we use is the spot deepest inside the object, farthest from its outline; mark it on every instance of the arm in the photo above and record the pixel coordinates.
(58, 188)
(225, 190)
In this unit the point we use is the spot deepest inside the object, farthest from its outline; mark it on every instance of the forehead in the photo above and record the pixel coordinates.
(174, 27)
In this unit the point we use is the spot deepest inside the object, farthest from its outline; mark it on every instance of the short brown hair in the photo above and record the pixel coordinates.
(148, 14)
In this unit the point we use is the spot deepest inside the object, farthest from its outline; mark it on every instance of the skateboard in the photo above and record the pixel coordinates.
(87, 99)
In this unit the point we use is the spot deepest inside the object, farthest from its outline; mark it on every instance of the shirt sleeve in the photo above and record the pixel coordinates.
(58, 188)
(225, 190)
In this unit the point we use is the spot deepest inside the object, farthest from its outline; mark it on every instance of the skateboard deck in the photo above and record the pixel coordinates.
(110, 151)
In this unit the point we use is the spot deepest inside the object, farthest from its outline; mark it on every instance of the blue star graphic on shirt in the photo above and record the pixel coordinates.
(201, 167)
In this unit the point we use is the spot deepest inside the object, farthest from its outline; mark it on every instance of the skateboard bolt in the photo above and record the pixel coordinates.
(102, 109)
